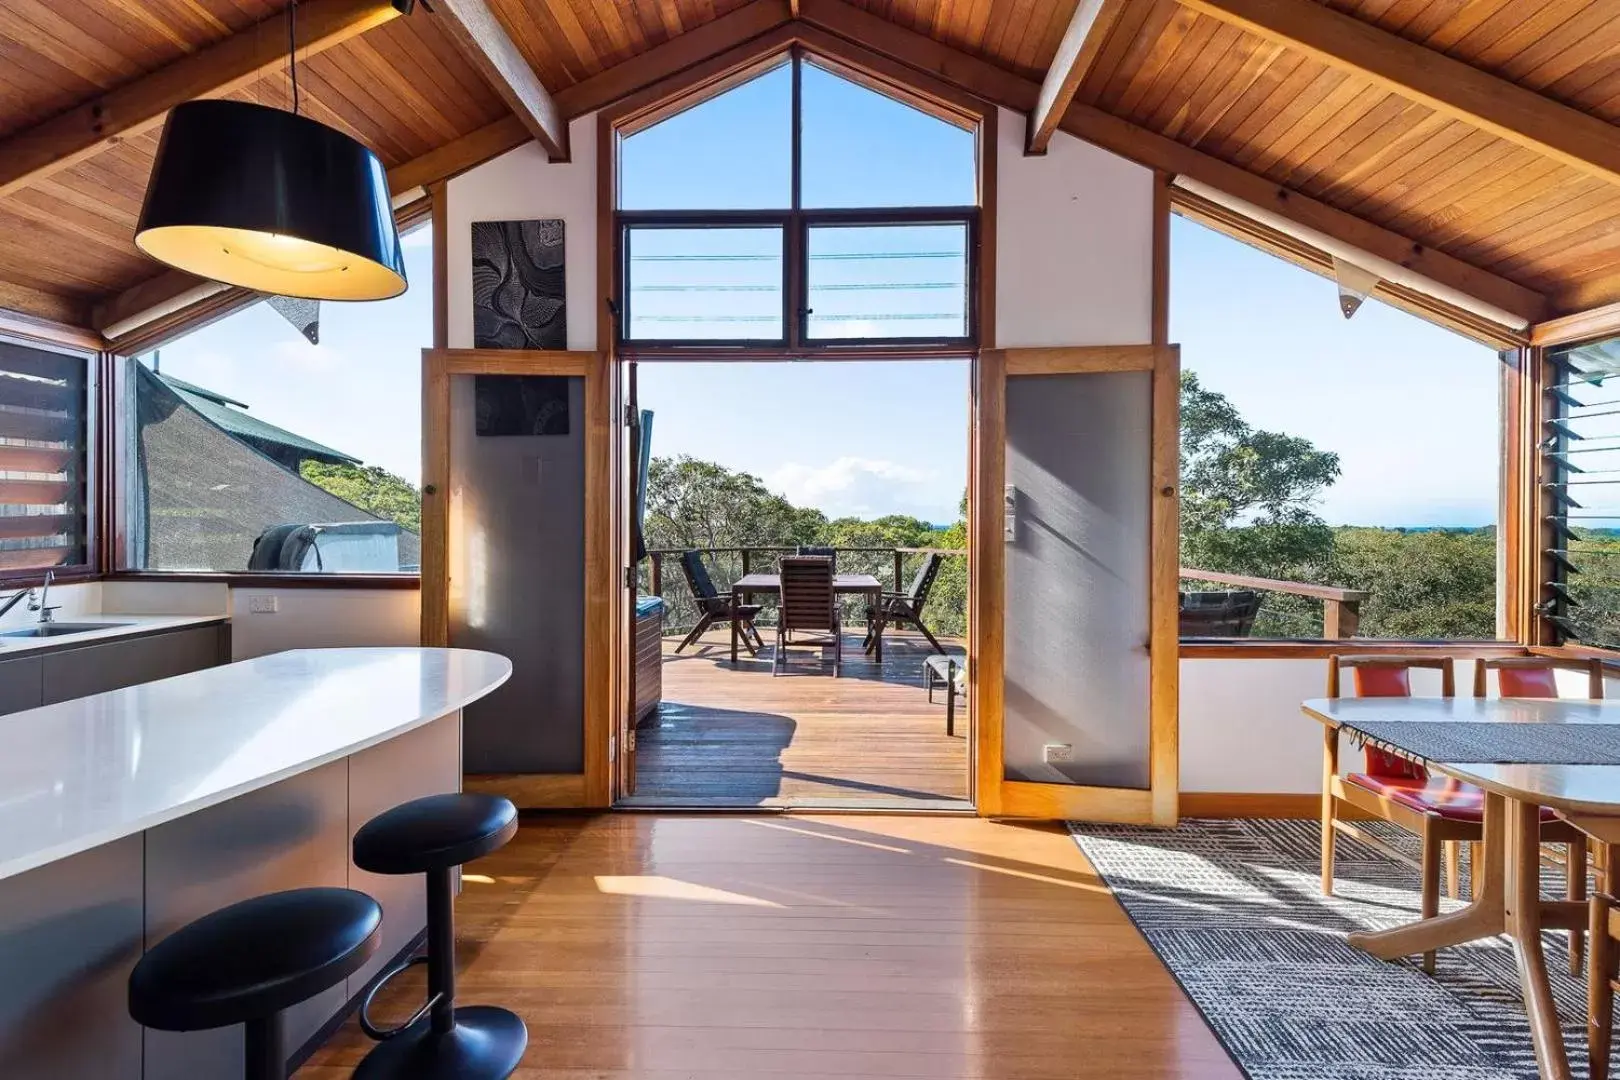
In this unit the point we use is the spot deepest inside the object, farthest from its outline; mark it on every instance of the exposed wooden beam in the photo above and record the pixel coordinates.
(472, 149)
(1431, 78)
(1158, 152)
(71, 137)
(673, 56)
(1082, 42)
(1154, 150)
(491, 50)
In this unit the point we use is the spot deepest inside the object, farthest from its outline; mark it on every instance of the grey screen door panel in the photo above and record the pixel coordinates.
(1079, 463)
(517, 584)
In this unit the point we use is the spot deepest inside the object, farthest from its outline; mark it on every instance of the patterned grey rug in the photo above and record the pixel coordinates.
(1235, 911)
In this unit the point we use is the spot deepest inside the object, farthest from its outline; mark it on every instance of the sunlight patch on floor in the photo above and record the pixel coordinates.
(657, 887)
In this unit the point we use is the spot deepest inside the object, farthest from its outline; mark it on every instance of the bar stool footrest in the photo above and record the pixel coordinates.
(381, 1033)
(487, 1043)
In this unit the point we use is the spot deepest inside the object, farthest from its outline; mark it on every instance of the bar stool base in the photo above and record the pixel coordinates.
(486, 1044)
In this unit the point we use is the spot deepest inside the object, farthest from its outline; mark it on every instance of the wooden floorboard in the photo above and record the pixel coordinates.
(722, 947)
(739, 736)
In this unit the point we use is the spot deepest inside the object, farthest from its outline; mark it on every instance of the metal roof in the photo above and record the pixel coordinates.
(229, 414)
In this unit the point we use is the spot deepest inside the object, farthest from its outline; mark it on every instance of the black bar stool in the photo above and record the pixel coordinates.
(432, 836)
(249, 962)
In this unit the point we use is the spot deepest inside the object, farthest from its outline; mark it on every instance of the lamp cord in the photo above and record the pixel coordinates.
(292, 50)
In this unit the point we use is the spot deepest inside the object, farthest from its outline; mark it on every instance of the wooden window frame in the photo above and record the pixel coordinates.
(429, 212)
(797, 46)
(1518, 423)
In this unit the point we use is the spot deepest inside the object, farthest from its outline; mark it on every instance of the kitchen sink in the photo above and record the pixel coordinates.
(41, 630)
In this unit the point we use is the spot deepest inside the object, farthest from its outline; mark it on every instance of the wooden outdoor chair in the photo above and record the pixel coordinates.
(905, 609)
(713, 607)
(1443, 813)
(808, 603)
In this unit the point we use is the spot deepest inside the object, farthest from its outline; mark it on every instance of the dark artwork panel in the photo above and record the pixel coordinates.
(521, 404)
(518, 288)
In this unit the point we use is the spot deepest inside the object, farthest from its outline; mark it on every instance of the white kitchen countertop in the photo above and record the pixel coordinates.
(90, 771)
(118, 626)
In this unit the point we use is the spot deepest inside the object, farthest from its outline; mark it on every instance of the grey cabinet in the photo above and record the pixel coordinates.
(21, 685)
(113, 665)
(75, 671)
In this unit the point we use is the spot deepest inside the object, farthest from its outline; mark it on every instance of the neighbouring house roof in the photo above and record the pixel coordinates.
(230, 415)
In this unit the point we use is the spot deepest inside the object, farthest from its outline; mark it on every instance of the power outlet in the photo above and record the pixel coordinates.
(1057, 753)
(262, 605)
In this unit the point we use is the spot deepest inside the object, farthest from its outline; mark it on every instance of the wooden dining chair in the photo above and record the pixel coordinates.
(808, 603)
(1537, 677)
(1440, 811)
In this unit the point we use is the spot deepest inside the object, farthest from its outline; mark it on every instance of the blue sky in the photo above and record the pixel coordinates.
(1410, 408)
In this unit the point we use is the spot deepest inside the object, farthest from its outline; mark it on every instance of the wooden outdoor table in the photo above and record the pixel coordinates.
(752, 584)
(1508, 898)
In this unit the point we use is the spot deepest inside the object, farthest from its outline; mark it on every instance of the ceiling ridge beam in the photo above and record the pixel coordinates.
(1429, 77)
(138, 106)
(484, 41)
(1081, 45)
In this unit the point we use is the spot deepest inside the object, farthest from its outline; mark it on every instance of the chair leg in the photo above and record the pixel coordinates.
(697, 632)
(838, 648)
(748, 642)
(1429, 862)
(1599, 990)
(1454, 868)
(1330, 772)
(1575, 889)
(932, 640)
(780, 657)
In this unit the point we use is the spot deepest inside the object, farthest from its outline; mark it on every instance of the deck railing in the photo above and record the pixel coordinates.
(1341, 608)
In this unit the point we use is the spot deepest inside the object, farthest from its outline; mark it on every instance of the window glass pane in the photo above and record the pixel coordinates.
(43, 399)
(733, 151)
(1339, 478)
(1582, 460)
(253, 449)
(888, 281)
(863, 148)
(709, 284)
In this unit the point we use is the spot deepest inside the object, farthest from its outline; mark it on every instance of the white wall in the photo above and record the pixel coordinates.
(323, 619)
(521, 185)
(1074, 244)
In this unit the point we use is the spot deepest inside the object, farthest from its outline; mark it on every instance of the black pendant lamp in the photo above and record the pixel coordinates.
(272, 201)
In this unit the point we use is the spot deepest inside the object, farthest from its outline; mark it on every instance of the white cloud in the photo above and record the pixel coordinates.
(420, 237)
(865, 488)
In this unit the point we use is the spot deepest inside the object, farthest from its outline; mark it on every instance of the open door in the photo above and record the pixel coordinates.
(636, 463)
(1075, 672)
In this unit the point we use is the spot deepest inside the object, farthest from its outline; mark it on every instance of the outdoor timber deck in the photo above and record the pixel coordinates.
(729, 736)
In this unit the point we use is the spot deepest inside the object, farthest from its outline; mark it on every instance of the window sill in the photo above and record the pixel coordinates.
(275, 581)
(1259, 649)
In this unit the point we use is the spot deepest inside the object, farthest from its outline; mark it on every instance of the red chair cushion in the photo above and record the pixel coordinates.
(1451, 799)
(1527, 682)
(1387, 682)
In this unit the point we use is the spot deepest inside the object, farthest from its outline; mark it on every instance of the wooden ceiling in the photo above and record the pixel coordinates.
(1484, 186)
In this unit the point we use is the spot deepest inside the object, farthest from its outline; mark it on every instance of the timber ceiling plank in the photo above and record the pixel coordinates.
(1427, 76)
(1139, 23)
(139, 104)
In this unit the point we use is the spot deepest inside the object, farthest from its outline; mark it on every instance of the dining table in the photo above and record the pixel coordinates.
(750, 585)
(1563, 754)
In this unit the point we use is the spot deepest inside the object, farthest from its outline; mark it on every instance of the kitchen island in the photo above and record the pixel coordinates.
(127, 814)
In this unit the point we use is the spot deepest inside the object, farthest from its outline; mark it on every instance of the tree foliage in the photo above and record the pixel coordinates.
(370, 487)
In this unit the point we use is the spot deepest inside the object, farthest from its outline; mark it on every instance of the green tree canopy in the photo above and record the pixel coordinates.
(370, 487)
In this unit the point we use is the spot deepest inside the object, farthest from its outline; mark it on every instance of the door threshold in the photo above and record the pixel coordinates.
(640, 803)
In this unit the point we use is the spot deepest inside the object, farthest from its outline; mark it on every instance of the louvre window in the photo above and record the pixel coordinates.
(44, 400)
(1581, 492)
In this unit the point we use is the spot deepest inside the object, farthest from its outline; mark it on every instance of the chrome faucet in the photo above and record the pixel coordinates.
(42, 605)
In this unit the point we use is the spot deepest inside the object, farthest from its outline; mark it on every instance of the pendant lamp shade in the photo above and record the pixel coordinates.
(271, 201)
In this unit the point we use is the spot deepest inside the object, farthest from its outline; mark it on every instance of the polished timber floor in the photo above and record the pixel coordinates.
(720, 947)
(738, 737)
